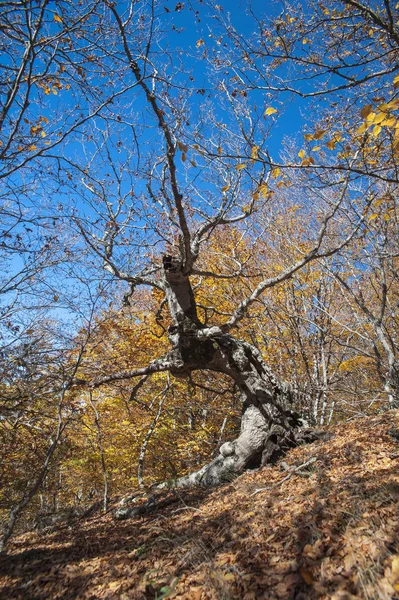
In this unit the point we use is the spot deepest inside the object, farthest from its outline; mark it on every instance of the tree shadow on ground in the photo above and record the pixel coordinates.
(321, 532)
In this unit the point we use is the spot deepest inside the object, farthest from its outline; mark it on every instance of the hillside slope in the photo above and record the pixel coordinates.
(327, 530)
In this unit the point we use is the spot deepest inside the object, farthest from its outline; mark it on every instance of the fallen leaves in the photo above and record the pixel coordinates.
(330, 535)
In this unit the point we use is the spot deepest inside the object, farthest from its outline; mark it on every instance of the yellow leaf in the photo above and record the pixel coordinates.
(379, 202)
(362, 128)
(264, 190)
(254, 152)
(386, 217)
(199, 43)
(308, 161)
(395, 571)
(390, 122)
(331, 144)
(225, 188)
(316, 148)
(396, 82)
(55, 92)
(57, 19)
(47, 90)
(373, 216)
(220, 150)
(43, 134)
(276, 172)
(308, 136)
(319, 134)
(370, 117)
(305, 41)
(240, 166)
(301, 154)
(379, 117)
(228, 577)
(366, 110)
(377, 130)
(33, 147)
(270, 111)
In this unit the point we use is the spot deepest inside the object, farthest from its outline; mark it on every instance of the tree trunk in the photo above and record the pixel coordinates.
(269, 424)
(392, 384)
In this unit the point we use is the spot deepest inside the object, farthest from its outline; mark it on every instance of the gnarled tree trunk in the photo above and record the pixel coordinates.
(269, 424)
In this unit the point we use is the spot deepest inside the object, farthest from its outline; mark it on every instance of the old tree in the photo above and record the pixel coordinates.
(135, 136)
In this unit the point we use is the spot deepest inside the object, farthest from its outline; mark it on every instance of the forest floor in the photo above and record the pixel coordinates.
(328, 530)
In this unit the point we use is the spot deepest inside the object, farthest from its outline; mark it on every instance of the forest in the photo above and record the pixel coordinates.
(199, 240)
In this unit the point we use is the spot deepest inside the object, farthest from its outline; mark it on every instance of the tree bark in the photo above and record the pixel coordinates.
(269, 425)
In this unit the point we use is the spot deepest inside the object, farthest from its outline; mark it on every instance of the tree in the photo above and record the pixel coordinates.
(149, 173)
(269, 422)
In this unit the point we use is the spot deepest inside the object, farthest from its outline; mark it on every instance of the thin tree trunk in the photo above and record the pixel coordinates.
(101, 451)
(23, 503)
(143, 449)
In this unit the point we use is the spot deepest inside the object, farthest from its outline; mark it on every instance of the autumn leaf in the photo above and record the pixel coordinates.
(366, 110)
(389, 122)
(57, 19)
(240, 166)
(182, 147)
(306, 576)
(319, 134)
(379, 118)
(199, 43)
(225, 188)
(370, 117)
(276, 172)
(254, 152)
(270, 111)
(362, 129)
(376, 130)
(301, 154)
(395, 572)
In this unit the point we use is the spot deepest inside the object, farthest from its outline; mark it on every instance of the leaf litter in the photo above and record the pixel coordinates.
(327, 530)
